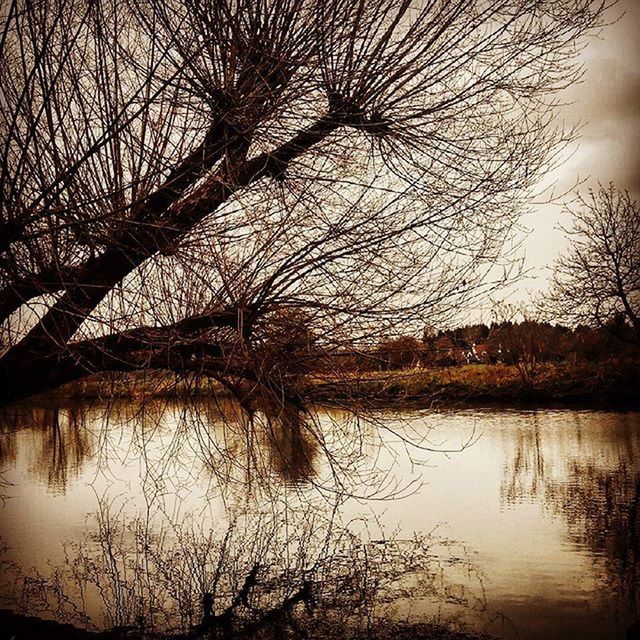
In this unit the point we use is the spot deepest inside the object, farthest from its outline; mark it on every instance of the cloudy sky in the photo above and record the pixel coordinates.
(607, 104)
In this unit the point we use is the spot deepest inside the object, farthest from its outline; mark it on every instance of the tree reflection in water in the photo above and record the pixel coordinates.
(250, 579)
(595, 490)
(602, 510)
(242, 451)
(266, 550)
(61, 441)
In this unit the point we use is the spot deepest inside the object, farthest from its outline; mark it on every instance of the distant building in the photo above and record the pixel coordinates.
(484, 353)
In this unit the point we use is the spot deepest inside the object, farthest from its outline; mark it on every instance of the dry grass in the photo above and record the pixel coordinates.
(612, 381)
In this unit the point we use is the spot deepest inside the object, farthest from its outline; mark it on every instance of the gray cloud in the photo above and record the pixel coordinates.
(607, 105)
(607, 102)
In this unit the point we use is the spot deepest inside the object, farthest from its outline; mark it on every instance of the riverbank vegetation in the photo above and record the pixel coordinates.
(611, 383)
(527, 361)
(536, 363)
(607, 383)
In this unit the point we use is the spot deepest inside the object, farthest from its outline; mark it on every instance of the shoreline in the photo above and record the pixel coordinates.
(607, 385)
(612, 385)
(21, 626)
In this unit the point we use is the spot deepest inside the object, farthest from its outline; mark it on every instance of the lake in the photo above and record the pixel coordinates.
(519, 523)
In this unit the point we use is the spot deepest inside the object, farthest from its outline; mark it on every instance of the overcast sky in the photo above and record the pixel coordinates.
(607, 103)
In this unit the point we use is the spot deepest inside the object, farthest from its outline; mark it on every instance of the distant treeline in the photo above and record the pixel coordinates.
(505, 342)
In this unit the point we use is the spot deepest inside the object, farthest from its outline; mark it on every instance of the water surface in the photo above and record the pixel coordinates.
(543, 505)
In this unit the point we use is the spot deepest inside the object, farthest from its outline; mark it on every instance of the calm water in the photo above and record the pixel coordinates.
(540, 509)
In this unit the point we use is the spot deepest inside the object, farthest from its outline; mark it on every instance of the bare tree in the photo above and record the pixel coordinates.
(178, 176)
(522, 338)
(599, 278)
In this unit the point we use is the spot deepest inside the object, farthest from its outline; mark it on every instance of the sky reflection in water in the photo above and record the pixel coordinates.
(544, 503)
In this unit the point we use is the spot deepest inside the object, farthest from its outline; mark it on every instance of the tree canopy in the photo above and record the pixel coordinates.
(180, 177)
(598, 281)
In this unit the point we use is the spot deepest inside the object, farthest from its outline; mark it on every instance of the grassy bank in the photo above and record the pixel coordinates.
(613, 383)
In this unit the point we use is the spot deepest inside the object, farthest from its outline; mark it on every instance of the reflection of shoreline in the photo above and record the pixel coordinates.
(128, 539)
(543, 443)
(595, 489)
(59, 440)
